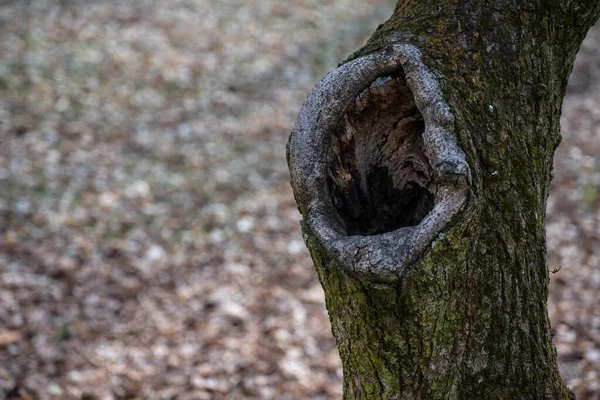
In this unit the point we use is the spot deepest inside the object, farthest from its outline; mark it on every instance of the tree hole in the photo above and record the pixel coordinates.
(379, 178)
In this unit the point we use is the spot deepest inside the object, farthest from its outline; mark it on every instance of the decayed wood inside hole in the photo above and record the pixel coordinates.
(379, 178)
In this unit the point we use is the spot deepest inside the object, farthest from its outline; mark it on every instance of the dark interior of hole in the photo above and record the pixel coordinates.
(379, 178)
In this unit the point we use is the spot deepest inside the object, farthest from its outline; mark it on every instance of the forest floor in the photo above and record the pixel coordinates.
(149, 240)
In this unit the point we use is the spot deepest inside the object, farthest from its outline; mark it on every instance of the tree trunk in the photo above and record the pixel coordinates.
(421, 168)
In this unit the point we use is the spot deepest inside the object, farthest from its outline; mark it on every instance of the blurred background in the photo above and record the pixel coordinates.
(149, 240)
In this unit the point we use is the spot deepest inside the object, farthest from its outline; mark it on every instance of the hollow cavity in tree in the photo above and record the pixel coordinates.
(375, 181)
(379, 177)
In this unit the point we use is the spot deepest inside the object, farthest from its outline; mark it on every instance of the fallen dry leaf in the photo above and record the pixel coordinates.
(9, 337)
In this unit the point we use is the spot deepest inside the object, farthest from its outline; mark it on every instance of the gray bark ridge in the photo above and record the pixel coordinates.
(383, 257)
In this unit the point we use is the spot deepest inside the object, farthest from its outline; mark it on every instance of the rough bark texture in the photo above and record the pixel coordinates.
(435, 273)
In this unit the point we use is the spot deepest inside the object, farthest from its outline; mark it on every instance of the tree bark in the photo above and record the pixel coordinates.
(421, 168)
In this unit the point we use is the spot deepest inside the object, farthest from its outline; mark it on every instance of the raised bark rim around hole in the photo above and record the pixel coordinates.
(382, 257)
